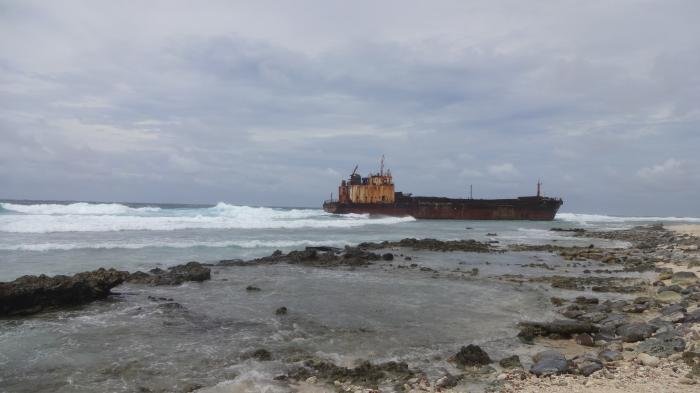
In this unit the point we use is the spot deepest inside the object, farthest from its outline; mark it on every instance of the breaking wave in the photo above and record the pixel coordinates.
(601, 218)
(245, 244)
(88, 217)
(79, 208)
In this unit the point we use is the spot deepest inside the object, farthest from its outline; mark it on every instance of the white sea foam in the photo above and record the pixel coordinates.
(84, 217)
(80, 208)
(247, 244)
(601, 218)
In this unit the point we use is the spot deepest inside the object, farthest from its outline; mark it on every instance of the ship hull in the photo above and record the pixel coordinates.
(523, 208)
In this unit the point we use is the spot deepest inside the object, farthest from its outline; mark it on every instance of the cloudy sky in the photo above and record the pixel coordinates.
(272, 103)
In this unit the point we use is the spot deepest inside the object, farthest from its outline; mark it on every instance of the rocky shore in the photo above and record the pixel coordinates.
(32, 294)
(628, 317)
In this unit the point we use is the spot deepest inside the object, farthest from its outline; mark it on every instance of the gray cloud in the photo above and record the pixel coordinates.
(272, 103)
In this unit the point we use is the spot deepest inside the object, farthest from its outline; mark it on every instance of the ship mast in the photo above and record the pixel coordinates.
(381, 166)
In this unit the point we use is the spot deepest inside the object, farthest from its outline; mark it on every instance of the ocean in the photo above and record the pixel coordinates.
(61, 238)
(132, 343)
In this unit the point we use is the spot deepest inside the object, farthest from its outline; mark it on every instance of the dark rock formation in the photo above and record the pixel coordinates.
(472, 355)
(175, 275)
(365, 374)
(32, 294)
(560, 328)
(321, 257)
(281, 311)
(261, 354)
(432, 245)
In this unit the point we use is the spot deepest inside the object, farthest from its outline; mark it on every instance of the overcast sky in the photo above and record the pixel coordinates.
(272, 103)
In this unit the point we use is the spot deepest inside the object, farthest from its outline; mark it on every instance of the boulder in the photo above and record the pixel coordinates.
(32, 294)
(472, 355)
(549, 363)
(636, 331)
(388, 256)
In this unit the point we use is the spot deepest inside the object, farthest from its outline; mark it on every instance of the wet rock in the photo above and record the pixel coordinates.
(322, 257)
(684, 278)
(557, 301)
(261, 354)
(388, 256)
(586, 300)
(233, 262)
(281, 311)
(175, 275)
(585, 339)
(510, 362)
(637, 331)
(662, 344)
(365, 374)
(472, 355)
(33, 294)
(549, 363)
(432, 245)
(171, 306)
(253, 288)
(559, 328)
(575, 230)
(608, 355)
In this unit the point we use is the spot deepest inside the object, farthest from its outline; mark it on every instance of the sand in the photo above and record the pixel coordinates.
(689, 229)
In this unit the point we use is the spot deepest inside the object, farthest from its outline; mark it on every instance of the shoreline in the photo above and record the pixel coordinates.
(646, 286)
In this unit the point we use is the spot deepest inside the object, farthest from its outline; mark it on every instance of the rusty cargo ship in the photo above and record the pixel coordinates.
(375, 195)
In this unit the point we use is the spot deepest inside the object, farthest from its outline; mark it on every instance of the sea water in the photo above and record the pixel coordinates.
(131, 342)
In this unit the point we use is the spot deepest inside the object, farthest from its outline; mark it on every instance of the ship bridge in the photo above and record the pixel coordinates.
(375, 188)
